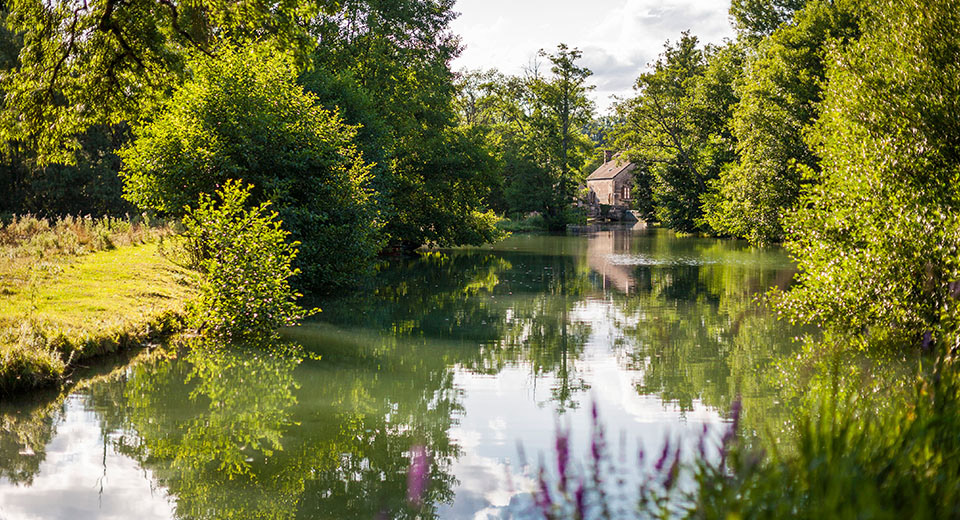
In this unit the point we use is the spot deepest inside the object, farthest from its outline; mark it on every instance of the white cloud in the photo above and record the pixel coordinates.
(619, 38)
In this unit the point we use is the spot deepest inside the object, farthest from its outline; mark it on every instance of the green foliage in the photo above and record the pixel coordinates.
(560, 112)
(88, 186)
(534, 222)
(535, 124)
(246, 263)
(341, 92)
(433, 179)
(457, 168)
(779, 98)
(851, 462)
(676, 125)
(99, 62)
(877, 236)
(243, 116)
(759, 18)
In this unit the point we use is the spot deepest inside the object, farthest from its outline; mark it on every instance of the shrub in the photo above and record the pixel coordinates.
(246, 264)
(876, 238)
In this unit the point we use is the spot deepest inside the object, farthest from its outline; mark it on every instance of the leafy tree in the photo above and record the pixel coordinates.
(877, 234)
(535, 123)
(759, 18)
(246, 266)
(243, 117)
(398, 54)
(88, 186)
(341, 93)
(500, 107)
(561, 110)
(458, 168)
(100, 62)
(677, 126)
(779, 98)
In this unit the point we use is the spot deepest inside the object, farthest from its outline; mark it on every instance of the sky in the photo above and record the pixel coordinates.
(619, 38)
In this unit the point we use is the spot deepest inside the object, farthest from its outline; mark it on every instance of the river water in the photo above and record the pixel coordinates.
(470, 357)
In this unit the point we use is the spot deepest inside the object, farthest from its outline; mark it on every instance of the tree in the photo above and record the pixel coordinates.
(99, 62)
(561, 111)
(242, 116)
(877, 232)
(677, 126)
(535, 125)
(759, 18)
(779, 98)
(398, 54)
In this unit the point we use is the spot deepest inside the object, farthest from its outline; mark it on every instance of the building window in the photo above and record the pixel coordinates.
(626, 193)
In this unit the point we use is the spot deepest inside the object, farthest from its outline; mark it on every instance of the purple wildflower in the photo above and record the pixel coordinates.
(658, 467)
(563, 456)
(731, 433)
(702, 443)
(579, 500)
(542, 496)
(674, 470)
(417, 474)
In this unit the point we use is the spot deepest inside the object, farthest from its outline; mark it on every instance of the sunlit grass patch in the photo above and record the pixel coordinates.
(64, 309)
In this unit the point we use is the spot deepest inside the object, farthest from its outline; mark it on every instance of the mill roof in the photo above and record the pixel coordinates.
(610, 169)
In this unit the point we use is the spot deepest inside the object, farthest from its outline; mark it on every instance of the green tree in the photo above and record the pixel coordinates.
(561, 110)
(535, 124)
(779, 98)
(877, 233)
(243, 117)
(435, 177)
(758, 18)
(99, 62)
(677, 125)
(500, 107)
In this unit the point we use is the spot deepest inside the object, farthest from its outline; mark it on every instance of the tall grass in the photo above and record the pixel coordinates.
(29, 236)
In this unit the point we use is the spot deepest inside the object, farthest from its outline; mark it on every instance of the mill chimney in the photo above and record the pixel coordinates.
(607, 156)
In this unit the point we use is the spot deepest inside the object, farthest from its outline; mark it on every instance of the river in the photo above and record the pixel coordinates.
(470, 357)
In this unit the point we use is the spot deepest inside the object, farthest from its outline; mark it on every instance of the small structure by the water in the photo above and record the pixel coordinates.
(609, 188)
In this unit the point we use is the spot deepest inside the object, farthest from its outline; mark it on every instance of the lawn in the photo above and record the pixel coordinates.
(58, 310)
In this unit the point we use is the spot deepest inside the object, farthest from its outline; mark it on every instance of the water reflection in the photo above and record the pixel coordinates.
(461, 352)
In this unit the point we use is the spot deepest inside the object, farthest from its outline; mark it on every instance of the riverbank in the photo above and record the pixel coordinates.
(60, 306)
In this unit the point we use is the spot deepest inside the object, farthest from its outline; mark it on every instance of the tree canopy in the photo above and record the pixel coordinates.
(242, 116)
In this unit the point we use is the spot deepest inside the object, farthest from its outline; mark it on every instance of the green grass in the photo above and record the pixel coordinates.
(531, 223)
(58, 310)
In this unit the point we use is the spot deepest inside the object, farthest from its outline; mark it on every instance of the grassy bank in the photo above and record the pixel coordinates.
(78, 288)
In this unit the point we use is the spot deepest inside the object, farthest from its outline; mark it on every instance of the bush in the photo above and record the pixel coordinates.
(877, 236)
(246, 263)
(532, 222)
